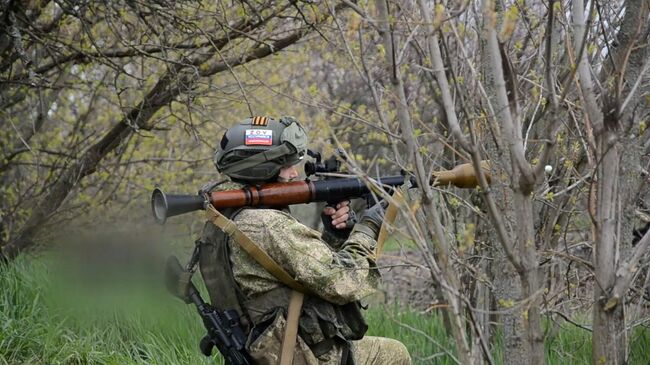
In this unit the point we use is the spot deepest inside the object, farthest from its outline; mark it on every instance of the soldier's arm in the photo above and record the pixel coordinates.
(339, 276)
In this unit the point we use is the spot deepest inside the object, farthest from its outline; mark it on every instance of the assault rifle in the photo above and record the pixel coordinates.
(299, 192)
(224, 328)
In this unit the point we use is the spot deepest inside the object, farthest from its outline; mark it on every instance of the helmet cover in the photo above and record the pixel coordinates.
(257, 148)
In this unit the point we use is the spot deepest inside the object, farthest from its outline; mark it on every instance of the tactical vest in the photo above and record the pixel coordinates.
(322, 324)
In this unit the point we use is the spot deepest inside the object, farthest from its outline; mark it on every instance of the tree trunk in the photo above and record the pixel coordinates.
(614, 260)
(507, 291)
(609, 340)
(609, 343)
(529, 277)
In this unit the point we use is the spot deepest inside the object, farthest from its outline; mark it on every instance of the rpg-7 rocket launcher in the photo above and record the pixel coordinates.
(300, 192)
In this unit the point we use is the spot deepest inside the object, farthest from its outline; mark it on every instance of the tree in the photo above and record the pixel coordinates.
(617, 147)
(152, 52)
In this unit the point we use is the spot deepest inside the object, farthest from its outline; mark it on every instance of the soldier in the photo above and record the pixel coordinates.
(336, 273)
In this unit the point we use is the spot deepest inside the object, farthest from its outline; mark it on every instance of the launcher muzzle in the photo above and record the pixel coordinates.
(164, 206)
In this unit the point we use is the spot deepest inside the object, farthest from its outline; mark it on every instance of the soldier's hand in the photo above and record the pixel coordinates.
(339, 214)
(373, 217)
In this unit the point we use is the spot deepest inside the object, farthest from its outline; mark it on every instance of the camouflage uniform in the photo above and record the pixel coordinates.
(337, 276)
(258, 150)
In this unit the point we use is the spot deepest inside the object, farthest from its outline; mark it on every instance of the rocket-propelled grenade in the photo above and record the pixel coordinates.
(282, 194)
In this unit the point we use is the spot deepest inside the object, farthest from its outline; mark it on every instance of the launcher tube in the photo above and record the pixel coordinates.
(297, 192)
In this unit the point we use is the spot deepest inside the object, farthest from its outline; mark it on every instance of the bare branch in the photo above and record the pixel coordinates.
(584, 72)
(513, 137)
(626, 271)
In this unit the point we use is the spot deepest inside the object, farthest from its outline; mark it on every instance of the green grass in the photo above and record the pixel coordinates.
(48, 317)
(424, 335)
(45, 319)
(397, 243)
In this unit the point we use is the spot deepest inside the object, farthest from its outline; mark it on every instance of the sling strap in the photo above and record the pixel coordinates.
(291, 331)
(297, 296)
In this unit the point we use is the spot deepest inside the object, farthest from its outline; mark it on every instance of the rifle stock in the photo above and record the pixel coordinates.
(298, 192)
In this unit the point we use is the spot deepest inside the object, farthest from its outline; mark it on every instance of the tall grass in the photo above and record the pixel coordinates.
(46, 319)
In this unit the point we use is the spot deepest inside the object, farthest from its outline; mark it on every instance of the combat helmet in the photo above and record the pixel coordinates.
(255, 149)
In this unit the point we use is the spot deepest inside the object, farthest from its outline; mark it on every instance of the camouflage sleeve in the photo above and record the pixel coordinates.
(332, 240)
(338, 276)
